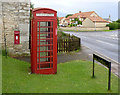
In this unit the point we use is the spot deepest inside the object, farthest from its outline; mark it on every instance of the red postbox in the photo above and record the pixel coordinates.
(44, 41)
(16, 37)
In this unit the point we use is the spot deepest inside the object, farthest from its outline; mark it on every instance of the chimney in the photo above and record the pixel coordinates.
(79, 11)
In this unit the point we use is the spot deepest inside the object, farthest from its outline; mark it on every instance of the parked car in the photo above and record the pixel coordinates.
(79, 25)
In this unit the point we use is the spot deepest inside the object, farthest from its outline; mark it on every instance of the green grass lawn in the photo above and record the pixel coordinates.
(71, 77)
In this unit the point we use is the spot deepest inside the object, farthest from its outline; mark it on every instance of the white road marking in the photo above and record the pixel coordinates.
(105, 42)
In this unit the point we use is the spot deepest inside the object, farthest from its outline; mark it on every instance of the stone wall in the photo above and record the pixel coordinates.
(15, 18)
(84, 29)
(1, 24)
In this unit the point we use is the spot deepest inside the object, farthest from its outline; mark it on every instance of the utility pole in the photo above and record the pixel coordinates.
(95, 23)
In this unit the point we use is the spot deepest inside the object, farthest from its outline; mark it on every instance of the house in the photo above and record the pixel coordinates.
(94, 21)
(88, 19)
(61, 21)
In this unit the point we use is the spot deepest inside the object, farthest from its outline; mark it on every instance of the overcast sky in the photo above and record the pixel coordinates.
(103, 8)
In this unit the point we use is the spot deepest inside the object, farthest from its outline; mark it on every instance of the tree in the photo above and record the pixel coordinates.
(77, 19)
(57, 21)
(68, 15)
(31, 7)
(118, 21)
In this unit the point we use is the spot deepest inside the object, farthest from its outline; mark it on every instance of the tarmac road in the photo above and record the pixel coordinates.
(105, 43)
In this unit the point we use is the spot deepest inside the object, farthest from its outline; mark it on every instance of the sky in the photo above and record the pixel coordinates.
(103, 8)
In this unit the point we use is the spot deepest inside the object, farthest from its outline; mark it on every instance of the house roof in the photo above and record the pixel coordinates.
(87, 15)
(97, 19)
(60, 18)
(81, 15)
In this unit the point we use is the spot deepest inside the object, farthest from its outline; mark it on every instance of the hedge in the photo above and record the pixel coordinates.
(114, 25)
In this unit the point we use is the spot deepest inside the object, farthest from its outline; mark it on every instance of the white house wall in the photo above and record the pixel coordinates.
(101, 24)
(88, 23)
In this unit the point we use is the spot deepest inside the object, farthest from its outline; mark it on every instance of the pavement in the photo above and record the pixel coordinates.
(84, 54)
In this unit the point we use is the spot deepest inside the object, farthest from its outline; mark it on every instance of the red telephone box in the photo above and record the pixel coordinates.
(44, 41)
(16, 37)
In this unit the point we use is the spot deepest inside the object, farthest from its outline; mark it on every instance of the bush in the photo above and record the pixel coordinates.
(71, 25)
(74, 25)
(80, 22)
(3, 53)
(114, 25)
(61, 34)
(118, 21)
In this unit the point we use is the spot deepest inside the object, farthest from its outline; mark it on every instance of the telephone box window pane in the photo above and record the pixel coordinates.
(48, 41)
(43, 59)
(51, 59)
(43, 48)
(37, 66)
(43, 23)
(38, 24)
(43, 29)
(51, 65)
(37, 60)
(38, 36)
(51, 23)
(52, 30)
(38, 42)
(37, 54)
(47, 65)
(38, 48)
(37, 29)
(46, 23)
(43, 43)
(43, 54)
(43, 35)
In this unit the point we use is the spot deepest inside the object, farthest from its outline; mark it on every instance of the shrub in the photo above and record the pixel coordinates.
(114, 25)
(80, 22)
(71, 25)
(118, 21)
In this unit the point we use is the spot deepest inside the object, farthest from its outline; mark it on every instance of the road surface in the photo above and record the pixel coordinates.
(105, 43)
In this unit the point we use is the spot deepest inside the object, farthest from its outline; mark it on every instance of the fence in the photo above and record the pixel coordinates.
(68, 44)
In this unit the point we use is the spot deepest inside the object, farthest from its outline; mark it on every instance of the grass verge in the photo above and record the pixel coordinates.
(88, 30)
(71, 77)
